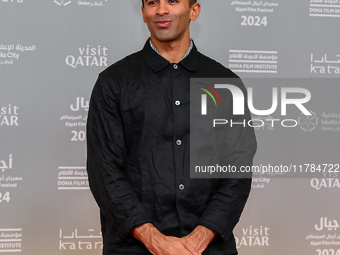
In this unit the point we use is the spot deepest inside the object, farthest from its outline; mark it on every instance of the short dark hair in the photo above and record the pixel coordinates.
(191, 2)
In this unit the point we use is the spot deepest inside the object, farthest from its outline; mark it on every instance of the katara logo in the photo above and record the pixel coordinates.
(62, 2)
(239, 101)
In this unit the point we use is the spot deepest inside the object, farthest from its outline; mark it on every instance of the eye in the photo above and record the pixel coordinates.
(152, 2)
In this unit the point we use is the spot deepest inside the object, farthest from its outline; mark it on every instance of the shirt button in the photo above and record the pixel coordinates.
(178, 142)
(182, 229)
(175, 66)
(181, 186)
(177, 103)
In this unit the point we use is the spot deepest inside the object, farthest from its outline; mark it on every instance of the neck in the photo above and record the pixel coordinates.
(172, 51)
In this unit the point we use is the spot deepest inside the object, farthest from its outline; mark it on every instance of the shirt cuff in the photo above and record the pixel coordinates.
(211, 221)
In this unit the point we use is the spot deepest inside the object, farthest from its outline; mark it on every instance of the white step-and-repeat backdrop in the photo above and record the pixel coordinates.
(51, 52)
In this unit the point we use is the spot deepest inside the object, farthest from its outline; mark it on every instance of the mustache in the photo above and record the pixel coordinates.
(166, 17)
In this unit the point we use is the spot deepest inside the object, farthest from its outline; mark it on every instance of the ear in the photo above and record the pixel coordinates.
(195, 11)
(143, 14)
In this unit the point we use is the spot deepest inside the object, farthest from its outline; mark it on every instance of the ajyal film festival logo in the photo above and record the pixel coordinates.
(307, 121)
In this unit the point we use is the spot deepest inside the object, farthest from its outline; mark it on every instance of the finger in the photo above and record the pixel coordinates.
(187, 252)
(179, 250)
(190, 248)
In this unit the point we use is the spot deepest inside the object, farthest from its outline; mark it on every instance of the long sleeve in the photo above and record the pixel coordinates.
(138, 145)
(106, 154)
(228, 200)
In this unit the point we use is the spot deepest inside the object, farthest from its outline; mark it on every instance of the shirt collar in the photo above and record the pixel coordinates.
(157, 62)
(186, 53)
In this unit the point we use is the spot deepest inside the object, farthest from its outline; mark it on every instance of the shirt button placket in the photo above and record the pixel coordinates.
(178, 134)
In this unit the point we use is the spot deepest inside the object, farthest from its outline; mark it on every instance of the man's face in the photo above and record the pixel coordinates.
(167, 20)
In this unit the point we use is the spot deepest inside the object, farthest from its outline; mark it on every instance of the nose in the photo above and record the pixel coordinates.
(163, 8)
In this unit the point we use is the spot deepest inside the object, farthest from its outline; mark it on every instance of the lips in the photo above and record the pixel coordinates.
(163, 23)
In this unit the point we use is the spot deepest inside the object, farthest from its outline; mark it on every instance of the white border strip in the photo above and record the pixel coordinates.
(72, 167)
(325, 5)
(325, 15)
(253, 61)
(254, 51)
(72, 178)
(73, 188)
(253, 71)
(10, 229)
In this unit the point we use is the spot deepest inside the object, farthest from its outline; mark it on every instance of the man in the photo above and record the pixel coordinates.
(138, 147)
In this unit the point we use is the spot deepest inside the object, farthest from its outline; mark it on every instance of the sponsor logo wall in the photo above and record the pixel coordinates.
(51, 53)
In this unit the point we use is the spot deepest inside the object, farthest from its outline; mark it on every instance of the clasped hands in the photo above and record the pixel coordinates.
(159, 244)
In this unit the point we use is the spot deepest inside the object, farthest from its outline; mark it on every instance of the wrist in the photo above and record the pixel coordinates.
(143, 232)
(205, 233)
(149, 235)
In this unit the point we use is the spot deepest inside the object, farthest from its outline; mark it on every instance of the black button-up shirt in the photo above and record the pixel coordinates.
(138, 154)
